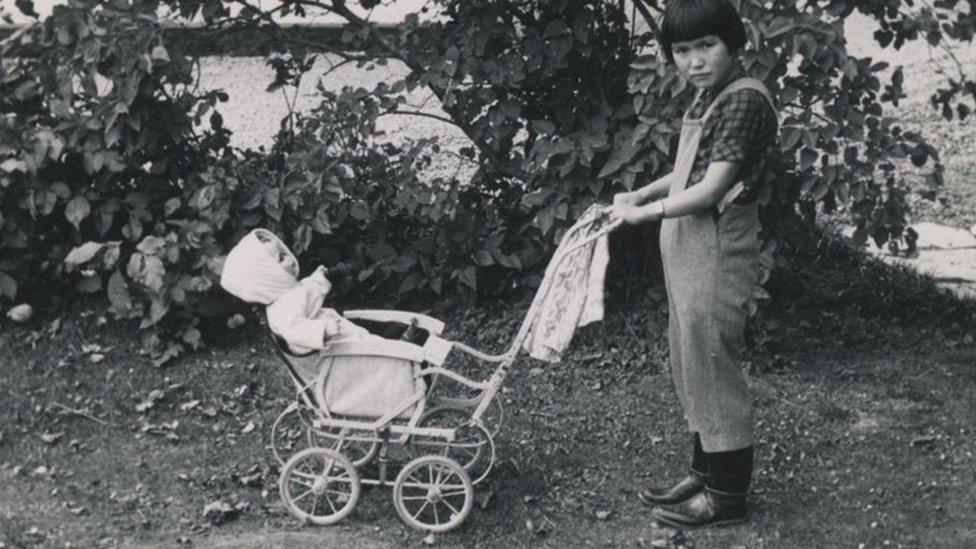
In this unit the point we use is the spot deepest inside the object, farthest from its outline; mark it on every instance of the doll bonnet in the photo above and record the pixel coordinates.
(260, 268)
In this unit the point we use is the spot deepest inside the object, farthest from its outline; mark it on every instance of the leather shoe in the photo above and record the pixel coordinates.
(687, 487)
(707, 508)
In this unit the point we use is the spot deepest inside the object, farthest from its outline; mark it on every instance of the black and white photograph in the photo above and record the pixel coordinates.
(370, 274)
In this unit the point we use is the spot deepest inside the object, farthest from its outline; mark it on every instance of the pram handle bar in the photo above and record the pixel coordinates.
(430, 324)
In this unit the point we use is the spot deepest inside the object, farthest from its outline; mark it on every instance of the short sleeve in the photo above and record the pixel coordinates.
(741, 118)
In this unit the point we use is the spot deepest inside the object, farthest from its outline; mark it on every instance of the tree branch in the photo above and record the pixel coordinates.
(648, 18)
(422, 114)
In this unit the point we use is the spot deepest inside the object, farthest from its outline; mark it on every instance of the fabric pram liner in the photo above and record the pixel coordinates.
(363, 376)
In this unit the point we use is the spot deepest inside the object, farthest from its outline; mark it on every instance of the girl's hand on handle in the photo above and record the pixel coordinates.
(625, 198)
(627, 213)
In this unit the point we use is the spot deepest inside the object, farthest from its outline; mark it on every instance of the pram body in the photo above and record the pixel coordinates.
(357, 399)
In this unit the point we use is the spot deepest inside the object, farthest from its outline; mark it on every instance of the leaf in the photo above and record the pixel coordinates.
(27, 8)
(60, 190)
(51, 438)
(8, 286)
(468, 277)
(160, 54)
(172, 205)
(791, 136)
(192, 337)
(151, 245)
(483, 259)
(84, 253)
(89, 284)
(204, 197)
(77, 210)
(118, 294)
(359, 211)
(11, 165)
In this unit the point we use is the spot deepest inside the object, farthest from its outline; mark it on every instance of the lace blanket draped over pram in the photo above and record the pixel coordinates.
(576, 295)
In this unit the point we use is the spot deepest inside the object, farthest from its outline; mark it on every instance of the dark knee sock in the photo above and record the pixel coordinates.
(699, 462)
(730, 472)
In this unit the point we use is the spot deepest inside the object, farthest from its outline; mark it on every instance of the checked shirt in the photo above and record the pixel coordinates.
(742, 129)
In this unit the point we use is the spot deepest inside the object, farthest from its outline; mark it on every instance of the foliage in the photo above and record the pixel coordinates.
(553, 133)
(95, 142)
(110, 179)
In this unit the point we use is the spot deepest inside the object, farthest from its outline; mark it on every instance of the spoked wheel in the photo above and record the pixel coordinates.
(288, 433)
(473, 447)
(358, 446)
(320, 486)
(433, 494)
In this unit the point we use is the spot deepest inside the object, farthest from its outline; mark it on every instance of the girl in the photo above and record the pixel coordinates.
(710, 248)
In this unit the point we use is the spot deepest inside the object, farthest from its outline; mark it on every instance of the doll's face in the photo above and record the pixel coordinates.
(282, 256)
(704, 62)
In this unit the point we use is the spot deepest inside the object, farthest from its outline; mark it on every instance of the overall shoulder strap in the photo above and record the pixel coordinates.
(698, 96)
(746, 82)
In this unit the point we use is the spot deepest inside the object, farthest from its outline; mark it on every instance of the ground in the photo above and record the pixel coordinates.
(865, 430)
(863, 380)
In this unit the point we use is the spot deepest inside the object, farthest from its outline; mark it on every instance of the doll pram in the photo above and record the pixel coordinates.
(450, 437)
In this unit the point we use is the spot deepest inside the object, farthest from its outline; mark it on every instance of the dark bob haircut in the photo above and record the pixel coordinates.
(686, 20)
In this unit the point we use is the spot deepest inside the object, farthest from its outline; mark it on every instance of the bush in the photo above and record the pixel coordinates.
(108, 183)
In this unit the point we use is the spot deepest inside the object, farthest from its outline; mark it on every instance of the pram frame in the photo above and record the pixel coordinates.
(380, 430)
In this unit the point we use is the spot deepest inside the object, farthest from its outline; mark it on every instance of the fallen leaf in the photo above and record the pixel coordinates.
(20, 313)
(252, 480)
(603, 515)
(217, 508)
(189, 405)
(95, 358)
(150, 401)
(925, 440)
(51, 438)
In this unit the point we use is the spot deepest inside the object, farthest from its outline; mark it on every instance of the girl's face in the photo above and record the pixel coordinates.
(704, 62)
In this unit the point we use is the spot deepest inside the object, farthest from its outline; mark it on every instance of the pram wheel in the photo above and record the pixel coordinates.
(320, 486)
(473, 447)
(433, 494)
